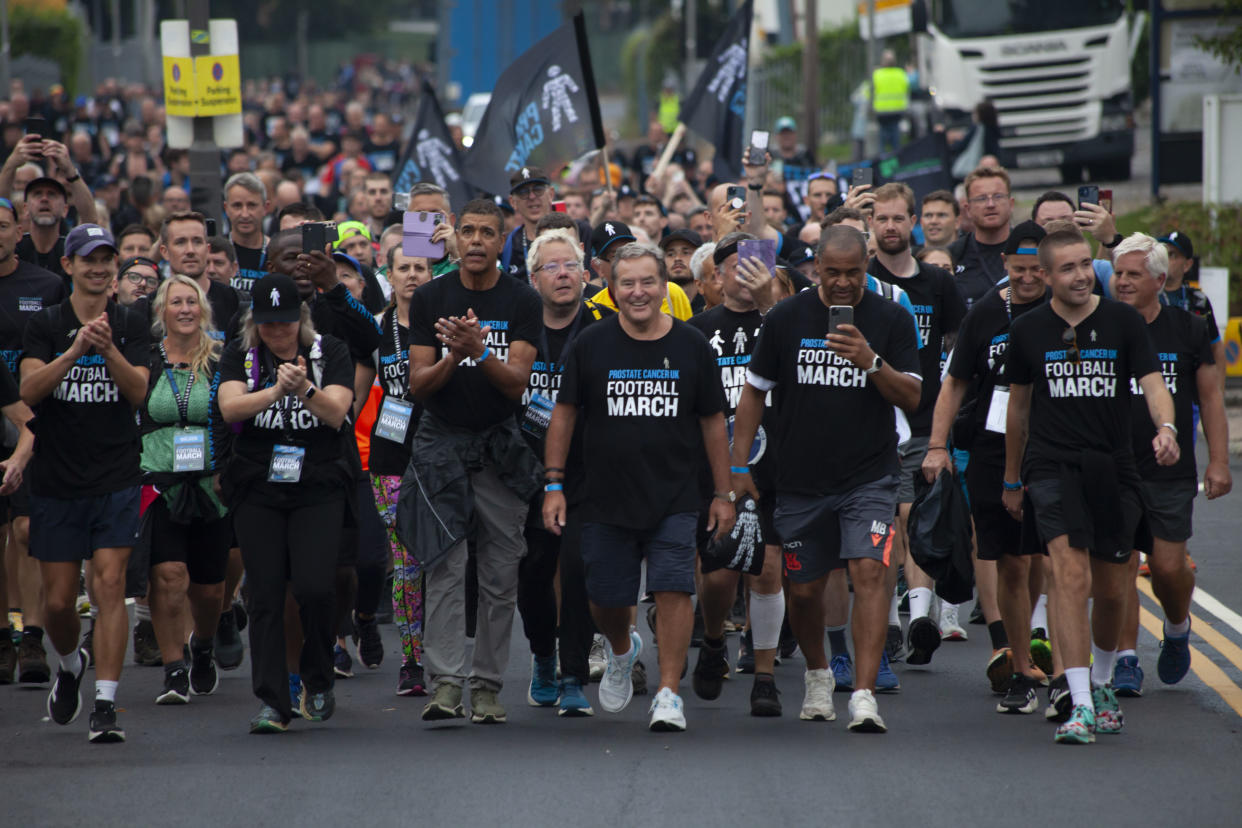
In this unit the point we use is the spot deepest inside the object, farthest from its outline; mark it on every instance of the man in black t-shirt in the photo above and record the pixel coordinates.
(646, 390)
(83, 370)
(472, 333)
(978, 253)
(183, 244)
(1070, 364)
(245, 204)
(1183, 344)
(837, 360)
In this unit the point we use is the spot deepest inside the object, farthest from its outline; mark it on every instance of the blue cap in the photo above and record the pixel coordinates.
(86, 238)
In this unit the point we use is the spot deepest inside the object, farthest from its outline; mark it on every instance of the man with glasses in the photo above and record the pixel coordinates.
(1069, 458)
(530, 193)
(140, 277)
(979, 253)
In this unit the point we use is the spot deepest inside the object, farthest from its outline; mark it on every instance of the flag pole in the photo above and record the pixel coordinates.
(674, 142)
(607, 173)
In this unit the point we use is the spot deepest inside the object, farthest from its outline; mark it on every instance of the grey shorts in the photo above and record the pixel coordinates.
(819, 534)
(911, 452)
(1168, 506)
(1046, 497)
(613, 557)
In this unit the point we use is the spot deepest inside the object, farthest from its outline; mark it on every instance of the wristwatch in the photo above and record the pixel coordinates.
(728, 497)
(310, 392)
(1116, 241)
(875, 366)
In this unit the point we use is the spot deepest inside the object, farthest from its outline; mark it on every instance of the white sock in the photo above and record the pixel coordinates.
(71, 663)
(1039, 616)
(1176, 630)
(142, 612)
(766, 614)
(1102, 665)
(894, 619)
(105, 690)
(1079, 679)
(94, 612)
(1126, 653)
(920, 602)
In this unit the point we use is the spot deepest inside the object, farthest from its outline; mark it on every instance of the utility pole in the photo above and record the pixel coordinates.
(872, 60)
(810, 77)
(5, 47)
(206, 196)
(692, 50)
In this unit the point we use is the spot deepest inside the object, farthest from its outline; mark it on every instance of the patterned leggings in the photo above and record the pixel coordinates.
(407, 575)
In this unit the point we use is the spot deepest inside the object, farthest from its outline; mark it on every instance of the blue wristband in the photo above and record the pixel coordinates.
(740, 469)
(486, 353)
(1012, 487)
(554, 487)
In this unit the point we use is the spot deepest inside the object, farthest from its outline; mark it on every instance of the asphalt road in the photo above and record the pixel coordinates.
(947, 759)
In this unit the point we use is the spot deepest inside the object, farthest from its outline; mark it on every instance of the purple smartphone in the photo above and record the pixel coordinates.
(762, 249)
(416, 230)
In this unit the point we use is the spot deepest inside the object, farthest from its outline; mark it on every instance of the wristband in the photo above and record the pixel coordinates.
(552, 469)
(1116, 240)
(1170, 427)
(76, 176)
(756, 187)
(1012, 487)
(740, 469)
(937, 448)
(554, 487)
(486, 353)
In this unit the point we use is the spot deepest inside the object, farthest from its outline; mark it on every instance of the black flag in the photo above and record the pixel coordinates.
(543, 112)
(431, 154)
(716, 109)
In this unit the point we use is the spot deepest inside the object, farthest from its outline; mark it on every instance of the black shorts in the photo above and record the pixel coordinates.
(767, 523)
(613, 557)
(997, 533)
(17, 504)
(1168, 506)
(1046, 496)
(65, 531)
(203, 546)
(819, 534)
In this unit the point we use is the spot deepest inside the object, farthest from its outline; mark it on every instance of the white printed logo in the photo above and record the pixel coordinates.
(94, 231)
(556, 95)
(732, 65)
(525, 172)
(433, 155)
(275, 298)
(1094, 336)
(717, 342)
(739, 341)
(610, 230)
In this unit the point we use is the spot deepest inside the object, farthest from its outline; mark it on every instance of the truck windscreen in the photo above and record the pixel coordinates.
(990, 18)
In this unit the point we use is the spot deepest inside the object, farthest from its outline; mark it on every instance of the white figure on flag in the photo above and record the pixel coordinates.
(556, 96)
(732, 66)
(433, 155)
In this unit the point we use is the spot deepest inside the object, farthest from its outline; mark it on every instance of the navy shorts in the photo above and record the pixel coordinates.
(613, 556)
(64, 531)
(819, 534)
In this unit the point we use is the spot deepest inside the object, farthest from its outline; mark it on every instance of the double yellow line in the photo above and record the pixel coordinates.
(1200, 664)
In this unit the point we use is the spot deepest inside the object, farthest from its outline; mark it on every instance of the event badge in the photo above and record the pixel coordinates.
(190, 450)
(538, 415)
(999, 409)
(394, 419)
(286, 464)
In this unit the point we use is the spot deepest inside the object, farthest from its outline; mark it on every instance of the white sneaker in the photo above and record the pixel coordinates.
(616, 687)
(864, 715)
(817, 704)
(667, 713)
(950, 629)
(597, 659)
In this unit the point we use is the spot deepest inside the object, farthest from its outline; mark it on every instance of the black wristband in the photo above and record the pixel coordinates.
(1111, 244)
(756, 187)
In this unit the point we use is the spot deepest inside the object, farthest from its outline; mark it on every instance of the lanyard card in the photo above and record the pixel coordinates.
(286, 464)
(537, 416)
(998, 410)
(190, 450)
(394, 419)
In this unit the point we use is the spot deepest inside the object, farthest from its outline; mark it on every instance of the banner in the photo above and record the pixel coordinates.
(716, 108)
(544, 112)
(430, 155)
(922, 164)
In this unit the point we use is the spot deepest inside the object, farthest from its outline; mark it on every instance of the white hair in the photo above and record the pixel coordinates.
(701, 255)
(1155, 256)
(557, 234)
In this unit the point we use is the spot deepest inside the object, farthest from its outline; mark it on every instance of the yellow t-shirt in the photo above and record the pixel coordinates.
(681, 304)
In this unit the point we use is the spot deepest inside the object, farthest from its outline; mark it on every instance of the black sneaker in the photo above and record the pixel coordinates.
(976, 615)
(104, 728)
(8, 659)
(240, 616)
(227, 644)
(924, 637)
(764, 697)
(32, 662)
(317, 707)
(88, 644)
(203, 676)
(146, 649)
(1060, 701)
(410, 681)
(176, 688)
(710, 671)
(368, 642)
(894, 644)
(746, 654)
(1020, 698)
(638, 678)
(64, 703)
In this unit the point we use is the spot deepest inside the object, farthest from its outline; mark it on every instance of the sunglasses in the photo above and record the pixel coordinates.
(1069, 338)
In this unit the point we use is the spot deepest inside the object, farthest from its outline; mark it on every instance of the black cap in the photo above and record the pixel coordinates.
(528, 175)
(607, 234)
(45, 181)
(626, 191)
(688, 236)
(801, 253)
(274, 298)
(1025, 232)
(1181, 241)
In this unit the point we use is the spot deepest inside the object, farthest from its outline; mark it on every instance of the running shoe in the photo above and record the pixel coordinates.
(342, 664)
(146, 649)
(864, 713)
(976, 615)
(368, 643)
(227, 644)
(1108, 716)
(639, 677)
(1128, 677)
(88, 644)
(597, 659)
(667, 712)
(176, 687)
(1021, 697)
(1041, 650)
(1060, 702)
(950, 629)
(842, 667)
(710, 671)
(543, 691)
(8, 659)
(203, 676)
(764, 697)
(895, 643)
(104, 728)
(1174, 660)
(240, 616)
(573, 702)
(267, 720)
(485, 708)
(295, 690)
(616, 688)
(746, 653)
(1079, 729)
(1144, 569)
(410, 681)
(64, 703)
(885, 679)
(999, 669)
(817, 701)
(445, 704)
(32, 665)
(924, 638)
(317, 707)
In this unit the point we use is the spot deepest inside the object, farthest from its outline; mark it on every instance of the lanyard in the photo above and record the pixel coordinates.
(396, 344)
(547, 349)
(183, 400)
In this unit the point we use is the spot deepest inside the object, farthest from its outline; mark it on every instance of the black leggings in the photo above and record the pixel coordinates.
(297, 545)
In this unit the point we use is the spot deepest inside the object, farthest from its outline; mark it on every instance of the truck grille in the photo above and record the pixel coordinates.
(1041, 102)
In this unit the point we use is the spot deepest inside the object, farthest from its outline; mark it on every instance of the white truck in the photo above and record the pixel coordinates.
(1057, 71)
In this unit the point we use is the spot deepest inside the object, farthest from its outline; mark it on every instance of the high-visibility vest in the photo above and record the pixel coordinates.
(891, 90)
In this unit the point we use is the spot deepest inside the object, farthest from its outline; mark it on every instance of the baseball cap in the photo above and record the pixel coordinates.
(274, 298)
(528, 175)
(86, 238)
(342, 256)
(1024, 232)
(801, 253)
(785, 122)
(688, 236)
(607, 234)
(43, 180)
(503, 204)
(348, 229)
(1181, 241)
(626, 191)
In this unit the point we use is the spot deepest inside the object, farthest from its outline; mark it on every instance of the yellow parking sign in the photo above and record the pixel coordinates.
(180, 95)
(218, 80)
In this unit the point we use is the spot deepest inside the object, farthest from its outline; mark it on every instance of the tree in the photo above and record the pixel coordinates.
(1227, 46)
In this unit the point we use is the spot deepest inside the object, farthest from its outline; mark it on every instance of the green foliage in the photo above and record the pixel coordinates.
(1215, 228)
(1227, 46)
(48, 33)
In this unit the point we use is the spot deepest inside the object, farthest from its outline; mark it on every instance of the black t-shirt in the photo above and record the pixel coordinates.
(9, 392)
(837, 430)
(1084, 405)
(383, 157)
(1183, 342)
(48, 261)
(23, 293)
(224, 303)
(939, 309)
(698, 304)
(640, 401)
(980, 355)
(392, 370)
(250, 261)
(86, 437)
(1195, 301)
(308, 166)
(512, 310)
(979, 266)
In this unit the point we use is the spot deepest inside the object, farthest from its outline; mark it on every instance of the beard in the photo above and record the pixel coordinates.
(891, 248)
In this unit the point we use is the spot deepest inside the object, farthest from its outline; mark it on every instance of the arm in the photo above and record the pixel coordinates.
(20, 415)
(1160, 406)
(364, 376)
(756, 224)
(745, 424)
(948, 403)
(131, 380)
(1217, 480)
(1017, 419)
(427, 374)
(39, 378)
(721, 514)
(900, 389)
(465, 337)
(237, 404)
(79, 194)
(1218, 354)
(556, 451)
(330, 403)
(27, 149)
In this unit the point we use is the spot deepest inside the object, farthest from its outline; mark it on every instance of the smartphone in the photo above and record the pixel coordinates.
(758, 148)
(1088, 194)
(416, 231)
(211, 227)
(862, 176)
(1106, 200)
(37, 126)
(401, 201)
(558, 206)
(762, 249)
(839, 315)
(736, 196)
(313, 237)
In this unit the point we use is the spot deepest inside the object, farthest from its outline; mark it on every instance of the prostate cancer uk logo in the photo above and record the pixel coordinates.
(643, 392)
